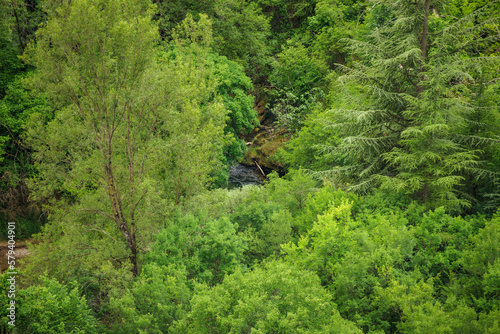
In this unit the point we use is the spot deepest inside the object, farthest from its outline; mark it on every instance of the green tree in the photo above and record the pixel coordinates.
(286, 17)
(275, 297)
(391, 265)
(206, 249)
(19, 19)
(234, 86)
(240, 29)
(16, 164)
(53, 308)
(156, 299)
(132, 130)
(403, 125)
(306, 149)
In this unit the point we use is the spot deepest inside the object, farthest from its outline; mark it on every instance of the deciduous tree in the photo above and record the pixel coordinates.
(134, 131)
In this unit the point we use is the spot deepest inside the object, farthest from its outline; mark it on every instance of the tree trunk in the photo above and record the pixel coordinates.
(120, 219)
(423, 41)
(425, 34)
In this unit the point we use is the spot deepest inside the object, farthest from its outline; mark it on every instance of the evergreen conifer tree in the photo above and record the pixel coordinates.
(404, 127)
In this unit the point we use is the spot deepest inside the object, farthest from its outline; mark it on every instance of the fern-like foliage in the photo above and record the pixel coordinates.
(411, 103)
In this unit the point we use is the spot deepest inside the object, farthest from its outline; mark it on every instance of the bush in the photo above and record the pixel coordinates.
(276, 297)
(207, 249)
(158, 297)
(53, 308)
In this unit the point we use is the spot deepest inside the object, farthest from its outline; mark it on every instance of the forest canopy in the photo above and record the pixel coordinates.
(374, 126)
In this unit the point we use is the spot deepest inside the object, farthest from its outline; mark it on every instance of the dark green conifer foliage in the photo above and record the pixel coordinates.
(404, 127)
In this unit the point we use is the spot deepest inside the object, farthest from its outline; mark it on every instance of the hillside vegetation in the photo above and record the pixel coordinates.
(120, 120)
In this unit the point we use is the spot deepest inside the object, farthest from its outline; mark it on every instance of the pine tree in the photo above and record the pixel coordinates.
(410, 101)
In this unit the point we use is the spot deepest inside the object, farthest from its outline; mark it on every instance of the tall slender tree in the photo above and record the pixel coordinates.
(130, 125)
(409, 101)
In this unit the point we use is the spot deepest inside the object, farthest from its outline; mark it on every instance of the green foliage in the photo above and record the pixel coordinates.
(156, 299)
(253, 209)
(16, 165)
(240, 29)
(122, 134)
(291, 110)
(217, 203)
(300, 71)
(16, 107)
(296, 78)
(308, 148)
(286, 17)
(233, 87)
(486, 248)
(420, 312)
(26, 225)
(135, 131)
(491, 284)
(403, 126)
(19, 19)
(318, 203)
(274, 231)
(94, 77)
(480, 261)
(243, 31)
(296, 71)
(230, 81)
(10, 65)
(292, 190)
(328, 240)
(387, 264)
(206, 249)
(90, 252)
(267, 216)
(274, 298)
(334, 20)
(53, 308)
(265, 223)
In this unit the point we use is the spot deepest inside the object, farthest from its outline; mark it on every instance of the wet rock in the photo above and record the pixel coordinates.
(240, 175)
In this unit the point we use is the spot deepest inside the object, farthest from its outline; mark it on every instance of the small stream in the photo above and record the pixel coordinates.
(240, 175)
